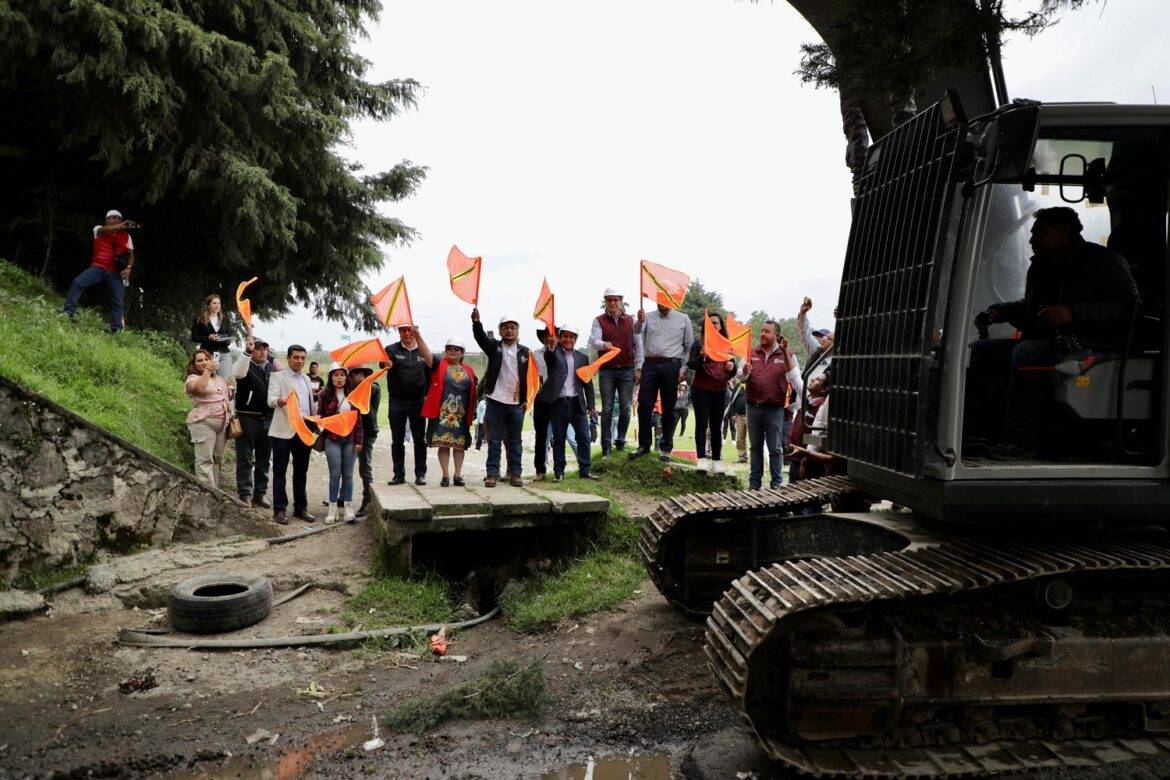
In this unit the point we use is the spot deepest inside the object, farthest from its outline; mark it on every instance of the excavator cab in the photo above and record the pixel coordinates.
(941, 231)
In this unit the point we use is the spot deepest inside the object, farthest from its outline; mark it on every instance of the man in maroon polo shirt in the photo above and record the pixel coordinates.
(110, 242)
(614, 328)
(767, 375)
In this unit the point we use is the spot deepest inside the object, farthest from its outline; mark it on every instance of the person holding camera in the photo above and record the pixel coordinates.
(110, 264)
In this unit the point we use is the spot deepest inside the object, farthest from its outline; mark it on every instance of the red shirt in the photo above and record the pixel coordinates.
(621, 335)
(107, 246)
(767, 383)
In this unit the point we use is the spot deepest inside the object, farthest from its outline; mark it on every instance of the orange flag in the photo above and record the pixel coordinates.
(663, 285)
(533, 380)
(367, 351)
(292, 407)
(392, 304)
(716, 345)
(740, 336)
(544, 308)
(359, 397)
(588, 372)
(243, 305)
(341, 424)
(464, 272)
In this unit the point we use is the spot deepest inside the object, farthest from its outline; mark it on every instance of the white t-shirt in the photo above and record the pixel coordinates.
(507, 386)
(820, 424)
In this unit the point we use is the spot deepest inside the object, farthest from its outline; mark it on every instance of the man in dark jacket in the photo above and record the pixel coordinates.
(505, 387)
(406, 388)
(570, 400)
(369, 421)
(1078, 294)
(253, 448)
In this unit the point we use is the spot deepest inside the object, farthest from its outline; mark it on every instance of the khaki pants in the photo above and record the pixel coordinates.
(209, 436)
(741, 435)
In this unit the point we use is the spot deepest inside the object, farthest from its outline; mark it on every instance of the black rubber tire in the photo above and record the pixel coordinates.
(249, 603)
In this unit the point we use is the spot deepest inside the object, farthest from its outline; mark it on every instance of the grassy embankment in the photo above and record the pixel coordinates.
(130, 384)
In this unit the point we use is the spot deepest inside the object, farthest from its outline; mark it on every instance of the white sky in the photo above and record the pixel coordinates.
(571, 141)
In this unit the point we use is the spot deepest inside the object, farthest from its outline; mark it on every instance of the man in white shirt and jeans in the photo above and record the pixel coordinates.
(506, 389)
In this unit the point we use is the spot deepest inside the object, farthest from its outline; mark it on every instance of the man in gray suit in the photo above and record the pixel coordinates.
(571, 400)
(285, 442)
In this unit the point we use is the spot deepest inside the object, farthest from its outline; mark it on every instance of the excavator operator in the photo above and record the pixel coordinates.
(1079, 295)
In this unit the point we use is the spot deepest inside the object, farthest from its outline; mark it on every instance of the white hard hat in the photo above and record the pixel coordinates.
(569, 329)
(113, 213)
(335, 366)
(611, 292)
(454, 342)
(512, 320)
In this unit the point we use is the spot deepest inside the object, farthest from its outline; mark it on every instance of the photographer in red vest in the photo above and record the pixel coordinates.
(113, 257)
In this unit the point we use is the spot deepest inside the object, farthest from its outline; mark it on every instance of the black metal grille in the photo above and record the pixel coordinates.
(888, 289)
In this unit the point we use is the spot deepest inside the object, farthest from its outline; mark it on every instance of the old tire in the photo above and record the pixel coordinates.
(216, 603)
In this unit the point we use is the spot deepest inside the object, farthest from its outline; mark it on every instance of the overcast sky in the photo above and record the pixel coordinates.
(572, 140)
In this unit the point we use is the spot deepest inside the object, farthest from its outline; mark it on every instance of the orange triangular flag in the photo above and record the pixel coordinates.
(367, 351)
(715, 344)
(392, 304)
(663, 285)
(588, 372)
(464, 273)
(243, 305)
(359, 397)
(740, 336)
(533, 380)
(292, 407)
(340, 424)
(544, 308)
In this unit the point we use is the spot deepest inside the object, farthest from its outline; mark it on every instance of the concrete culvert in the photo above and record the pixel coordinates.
(217, 603)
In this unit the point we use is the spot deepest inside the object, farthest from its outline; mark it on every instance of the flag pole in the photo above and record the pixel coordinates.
(478, 276)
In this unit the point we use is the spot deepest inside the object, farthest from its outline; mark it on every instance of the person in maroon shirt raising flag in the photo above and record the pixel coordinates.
(112, 259)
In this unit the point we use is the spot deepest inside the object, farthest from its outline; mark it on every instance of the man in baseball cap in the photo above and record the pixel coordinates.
(613, 328)
(110, 263)
(506, 390)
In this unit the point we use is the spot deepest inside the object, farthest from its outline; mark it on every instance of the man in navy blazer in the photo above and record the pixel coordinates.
(571, 400)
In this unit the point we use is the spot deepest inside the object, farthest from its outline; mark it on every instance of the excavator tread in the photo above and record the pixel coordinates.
(767, 600)
(671, 516)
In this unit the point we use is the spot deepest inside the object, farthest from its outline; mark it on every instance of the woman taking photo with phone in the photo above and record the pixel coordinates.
(207, 422)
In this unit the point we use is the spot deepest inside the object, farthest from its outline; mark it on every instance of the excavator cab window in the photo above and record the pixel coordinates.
(1087, 391)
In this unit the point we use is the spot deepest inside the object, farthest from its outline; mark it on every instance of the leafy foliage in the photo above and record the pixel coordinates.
(505, 689)
(216, 125)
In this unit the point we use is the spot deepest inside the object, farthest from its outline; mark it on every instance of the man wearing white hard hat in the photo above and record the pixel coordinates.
(506, 389)
(611, 329)
(110, 264)
(571, 401)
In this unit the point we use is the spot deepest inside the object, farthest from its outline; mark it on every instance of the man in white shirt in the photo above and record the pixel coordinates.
(571, 401)
(285, 442)
(667, 336)
(506, 388)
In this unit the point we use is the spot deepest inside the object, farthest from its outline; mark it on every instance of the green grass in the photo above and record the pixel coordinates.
(600, 580)
(399, 602)
(648, 477)
(130, 384)
(45, 578)
(505, 689)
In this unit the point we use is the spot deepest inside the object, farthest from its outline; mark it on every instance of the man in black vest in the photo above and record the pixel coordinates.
(611, 329)
(406, 387)
(505, 387)
(253, 448)
(570, 401)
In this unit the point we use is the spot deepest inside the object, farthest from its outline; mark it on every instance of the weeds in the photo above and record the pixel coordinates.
(391, 601)
(600, 580)
(46, 578)
(505, 689)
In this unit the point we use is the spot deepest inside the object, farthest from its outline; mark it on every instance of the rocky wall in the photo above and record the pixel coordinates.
(68, 488)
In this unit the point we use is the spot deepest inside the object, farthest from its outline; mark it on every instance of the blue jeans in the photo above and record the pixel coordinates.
(765, 425)
(340, 457)
(615, 383)
(569, 418)
(88, 278)
(658, 377)
(504, 420)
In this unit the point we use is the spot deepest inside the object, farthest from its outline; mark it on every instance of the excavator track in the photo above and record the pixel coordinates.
(677, 516)
(753, 629)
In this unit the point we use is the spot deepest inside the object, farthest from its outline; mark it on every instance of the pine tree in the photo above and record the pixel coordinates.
(214, 124)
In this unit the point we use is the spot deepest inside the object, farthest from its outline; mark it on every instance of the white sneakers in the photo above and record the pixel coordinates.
(331, 517)
(349, 515)
(701, 464)
(717, 467)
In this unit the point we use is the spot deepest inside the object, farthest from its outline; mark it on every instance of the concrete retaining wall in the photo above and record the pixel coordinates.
(68, 487)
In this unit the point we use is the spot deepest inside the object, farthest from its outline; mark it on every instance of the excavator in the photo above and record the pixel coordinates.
(935, 612)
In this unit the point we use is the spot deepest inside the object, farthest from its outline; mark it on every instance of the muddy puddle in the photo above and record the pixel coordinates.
(291, 764)
(651, 767)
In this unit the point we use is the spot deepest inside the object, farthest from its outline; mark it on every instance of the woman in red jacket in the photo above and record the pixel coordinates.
(340, 451)
(450, 409)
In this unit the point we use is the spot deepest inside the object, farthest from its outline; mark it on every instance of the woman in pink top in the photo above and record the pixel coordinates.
(207, 421)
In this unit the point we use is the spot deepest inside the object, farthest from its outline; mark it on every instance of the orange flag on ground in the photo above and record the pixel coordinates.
(740, 336)
(533, 380)
(243, 305)
(544, 308)
(367, 351)
(359, 397)
(663, 285)
(292, 407)
(341, 424)
(716, 345)
(392, 304)
(464, 273)
(588, 372)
